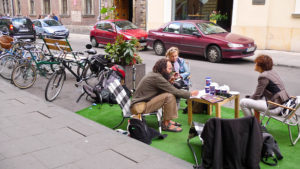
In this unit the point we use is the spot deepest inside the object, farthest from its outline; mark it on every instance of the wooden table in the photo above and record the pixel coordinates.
(217, 105)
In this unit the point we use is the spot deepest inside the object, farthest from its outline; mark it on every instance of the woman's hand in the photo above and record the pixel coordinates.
(194, 93)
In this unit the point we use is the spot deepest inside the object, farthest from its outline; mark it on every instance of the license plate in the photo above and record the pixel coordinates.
(250, 49)
(143, 44)
(24, 30)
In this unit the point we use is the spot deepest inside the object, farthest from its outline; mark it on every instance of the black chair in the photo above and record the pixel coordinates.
(228, 143)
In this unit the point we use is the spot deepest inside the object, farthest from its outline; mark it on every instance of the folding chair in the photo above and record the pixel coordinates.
(288, 114)
(225, 141)
(124, 102)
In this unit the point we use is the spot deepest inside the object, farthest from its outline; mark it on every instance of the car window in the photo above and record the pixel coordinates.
(17, 22)
(124, 25)
(188, 28)
(37, 23)
(51, 23)
(210, 28)
(173, 27)
(100, 26)
(107, 26)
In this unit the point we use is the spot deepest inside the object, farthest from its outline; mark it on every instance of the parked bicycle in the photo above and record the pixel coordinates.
(85, 72)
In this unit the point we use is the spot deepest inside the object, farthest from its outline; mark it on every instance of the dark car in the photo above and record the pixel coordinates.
(106, 31)
(18, 27)
(201, 38)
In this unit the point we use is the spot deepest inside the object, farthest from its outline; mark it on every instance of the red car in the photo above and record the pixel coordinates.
(201, 38)
(106, 31)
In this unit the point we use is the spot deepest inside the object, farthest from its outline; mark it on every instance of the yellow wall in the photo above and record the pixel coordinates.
(155, 14)
(272, 25)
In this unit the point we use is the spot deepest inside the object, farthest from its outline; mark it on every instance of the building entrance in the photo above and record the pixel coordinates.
(124, 9)
(202, 9)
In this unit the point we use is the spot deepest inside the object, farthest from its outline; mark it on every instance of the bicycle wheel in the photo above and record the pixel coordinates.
(24, 76)
(55, 85)
(90, 77)
(7, 64)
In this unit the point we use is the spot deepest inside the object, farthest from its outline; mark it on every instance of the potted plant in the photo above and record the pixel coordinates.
(217, 16)
(125, 53)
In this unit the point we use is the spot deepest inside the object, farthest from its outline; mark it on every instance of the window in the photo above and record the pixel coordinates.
(88, 7)
(104, 26)
(46, 6)
(173, 27)
(189, 28)
(64, 7)
(19, 7)
(32, 7)
(297, 9)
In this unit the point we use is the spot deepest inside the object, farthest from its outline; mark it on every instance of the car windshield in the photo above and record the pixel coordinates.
(124, 25)
(210, 28)
(51, 23)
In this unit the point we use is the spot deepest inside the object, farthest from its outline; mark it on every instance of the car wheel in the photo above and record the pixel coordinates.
(94, 42)
(159, 48)
(33, 39)
(214, 54)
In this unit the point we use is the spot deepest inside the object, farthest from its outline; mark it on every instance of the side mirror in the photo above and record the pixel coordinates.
(110, 30)
(88, 46)
(196, 34)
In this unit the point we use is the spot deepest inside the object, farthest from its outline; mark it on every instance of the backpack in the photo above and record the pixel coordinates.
(98, 62)
(138, 129)
(270, 153)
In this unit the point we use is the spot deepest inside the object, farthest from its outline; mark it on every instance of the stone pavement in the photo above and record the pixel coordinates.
(35, 134)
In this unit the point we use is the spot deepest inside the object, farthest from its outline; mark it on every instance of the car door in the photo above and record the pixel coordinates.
(109, 34)
(171, 34)
(191, 43)
(38, 27)
(99, 32)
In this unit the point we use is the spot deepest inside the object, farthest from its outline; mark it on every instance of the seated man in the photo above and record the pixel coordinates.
(155, 91)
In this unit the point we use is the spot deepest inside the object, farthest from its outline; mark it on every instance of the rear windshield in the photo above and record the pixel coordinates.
(4, 21)
(17, 22)
(51, 23)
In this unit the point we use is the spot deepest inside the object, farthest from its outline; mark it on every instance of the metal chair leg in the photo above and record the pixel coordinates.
(119, 123)
(293, 142)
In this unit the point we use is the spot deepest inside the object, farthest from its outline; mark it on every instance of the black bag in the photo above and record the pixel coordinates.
(179, 84)
(270, 153)
(98, 62)
(138, 129)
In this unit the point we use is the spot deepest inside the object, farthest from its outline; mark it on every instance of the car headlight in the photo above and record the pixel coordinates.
(235, 45)
(128, 37)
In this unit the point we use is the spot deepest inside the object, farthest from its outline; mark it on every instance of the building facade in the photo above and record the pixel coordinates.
(77, 15)
(272, 24)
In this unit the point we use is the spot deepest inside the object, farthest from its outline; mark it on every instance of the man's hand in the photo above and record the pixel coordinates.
(194, 93)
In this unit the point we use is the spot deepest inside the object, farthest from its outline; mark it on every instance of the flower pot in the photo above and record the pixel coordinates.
(139, 74)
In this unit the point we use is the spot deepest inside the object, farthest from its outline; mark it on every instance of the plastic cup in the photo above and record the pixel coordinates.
(207, 81)
(212, 90)
(206, 89)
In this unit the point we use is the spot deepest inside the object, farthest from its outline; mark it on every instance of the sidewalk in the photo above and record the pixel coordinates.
(35, 134)
(280, 58)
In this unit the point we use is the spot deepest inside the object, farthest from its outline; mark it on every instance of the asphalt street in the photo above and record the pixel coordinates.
(238, 74)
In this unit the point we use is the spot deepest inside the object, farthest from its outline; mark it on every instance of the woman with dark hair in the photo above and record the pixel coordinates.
(269, 87)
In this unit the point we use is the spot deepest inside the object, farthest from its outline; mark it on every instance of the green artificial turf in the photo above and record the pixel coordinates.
(176, 143)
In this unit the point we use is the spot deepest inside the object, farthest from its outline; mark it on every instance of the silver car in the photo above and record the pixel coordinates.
(50, 28)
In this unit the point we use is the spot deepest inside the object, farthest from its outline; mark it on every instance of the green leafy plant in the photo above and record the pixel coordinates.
(109, 12)
(218, 16)
(124, 52)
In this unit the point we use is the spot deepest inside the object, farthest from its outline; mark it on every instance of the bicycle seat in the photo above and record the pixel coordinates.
(29, 47)
(91, 51)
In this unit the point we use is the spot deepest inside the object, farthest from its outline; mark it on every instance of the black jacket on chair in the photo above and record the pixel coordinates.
(231, 144)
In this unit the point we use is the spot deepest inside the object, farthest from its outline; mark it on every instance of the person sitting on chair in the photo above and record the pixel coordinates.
(156, 91)
(179, 65)
(269, 86)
